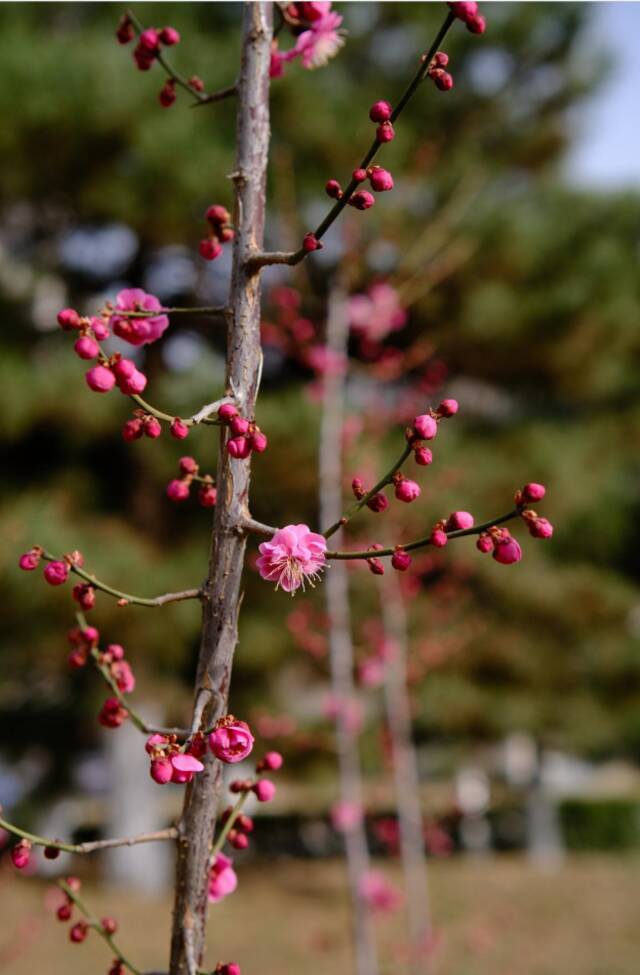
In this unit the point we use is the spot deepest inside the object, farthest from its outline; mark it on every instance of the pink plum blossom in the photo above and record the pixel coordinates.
(321, 42)
(223, 879)
(374, 314)
(232, 741)
(138, 331)
(292, 556)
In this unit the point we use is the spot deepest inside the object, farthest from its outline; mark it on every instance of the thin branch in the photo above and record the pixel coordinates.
(216, 311)
(423, 542)
(126, 598)
(384, 480)
(230, 822)
(171, 833)
(94, 923)
(257, 528)
(278, 257)
(170, 70)
(217, 96)
(202, 699)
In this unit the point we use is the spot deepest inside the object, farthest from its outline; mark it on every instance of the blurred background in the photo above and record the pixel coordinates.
(512, 239)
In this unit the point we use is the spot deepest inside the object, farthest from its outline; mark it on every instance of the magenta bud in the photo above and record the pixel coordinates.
(407, 490)
(169, 36)
(68, 319)
(239, 448)
(311, 243)
(259, 441)
(56, 573)
(210, 248)
(438, 538)
(362, 200)
(132, 430)
(227, 412)
(400, 560)
(86, 347)
(133, 384)
(380, 111)
(484, 544)
(380, 179)
(207, 496)
(264, 790)
(359, 175)
(239, 426)
(100, 379)
(507, 551)
(448, 407)
(29, 561)
(385, 132)
(425, 426)
(178, 429)
(533, 492)
(459, 521)
(333, 189)
(177, 490)
(422, 456)
(540, 528)
(152, 428)
(378, 502)
(188, 465)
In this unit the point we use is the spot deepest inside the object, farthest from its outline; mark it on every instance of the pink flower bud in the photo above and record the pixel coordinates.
(112, 713)
(378, 502)
(448, 407)
(231, 741)
(169, 36)
(227, 968)
(259, 441)
(152, 428)
(422, 456)
(271, 762)
(400, 560)
(380, 179)
(238, 840)
(484, 543)
(30, 560)
(407, 490)
(123, 675)
(380, 111)
(178, 429)
(357, 486)
(311, 243)
(115, 651)
(109, 925)
(188, 465)
(133, 384)
(21, 854)
(207, 496)
(239, 426)
(56, 573)
(239, 448)
(100, 379)
(438, 538)
(362, 200)
(132, 430)
(540, 528)
(264, 790)
(123, 369)
(217, 215)
(196, 83)
(464, 10)
(442, 79)
(78, 932)
(227, 412)
(149, 40)
(507, 551)
(86, 347)
(64, 912)
(167, 94)
(177, 490)
(459, 521)
(210, 248)
(143, 58)
(477, 25)
(161, 770)
(333, 189)
(385, 132)
(100, 329)
(376, 566)
(440, 59)
(533, 492)
(84, 595)
(226, 234)
(68, 319)
(126, 31)
(425, 426)
(359, 175)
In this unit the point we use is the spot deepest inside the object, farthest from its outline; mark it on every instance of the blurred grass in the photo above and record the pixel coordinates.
(501, 917)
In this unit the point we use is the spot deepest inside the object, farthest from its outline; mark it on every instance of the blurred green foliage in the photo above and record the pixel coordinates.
(524, 287)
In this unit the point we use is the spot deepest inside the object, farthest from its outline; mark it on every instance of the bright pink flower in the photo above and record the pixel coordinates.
(223, 879)
(322, 42)
(292, 556)
(379, 893)
(231, 742)
(184, 762)
(138, 331)
(345, 816)
(56, 573)
(374, 314)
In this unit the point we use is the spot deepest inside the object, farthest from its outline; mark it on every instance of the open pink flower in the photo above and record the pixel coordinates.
(231, 742)
(223, 879)
(294, 554)
(138, 331)
(374, 314)
(321, 42)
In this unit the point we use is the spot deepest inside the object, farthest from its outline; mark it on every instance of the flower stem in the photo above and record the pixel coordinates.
(384, 480)
(164, 834)
(228, 826)
(95, 924)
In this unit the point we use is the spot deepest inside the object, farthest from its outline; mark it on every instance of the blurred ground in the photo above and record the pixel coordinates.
(501, 917)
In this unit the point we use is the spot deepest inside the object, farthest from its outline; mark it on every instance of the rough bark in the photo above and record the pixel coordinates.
(340, 643)
(405, 770)
(221, 595)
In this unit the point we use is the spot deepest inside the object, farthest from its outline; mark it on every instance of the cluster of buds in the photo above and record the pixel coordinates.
(377, 502)
(457, 521)
(108, 371)
(245, 437)
(227, 968)
(84, 642)
(538, 527)
(179, 489)
(441, 78)
(380, 181)
(380, 113)
(230, 741)
(425, 427)
(220, 232)
(502, 545)
(144, 424)
(468, 14)
(55, 572)
(238, 835)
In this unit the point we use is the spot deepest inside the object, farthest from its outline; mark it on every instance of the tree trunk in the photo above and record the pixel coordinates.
(222, 588)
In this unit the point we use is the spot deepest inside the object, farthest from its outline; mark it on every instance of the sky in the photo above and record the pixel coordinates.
(606, 152)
